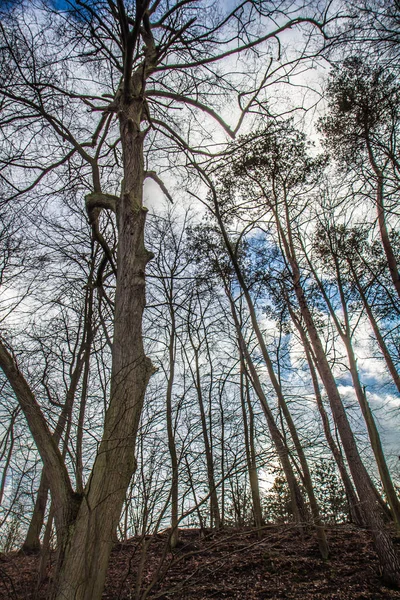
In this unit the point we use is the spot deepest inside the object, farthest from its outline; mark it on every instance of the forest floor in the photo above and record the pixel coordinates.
(232, 563)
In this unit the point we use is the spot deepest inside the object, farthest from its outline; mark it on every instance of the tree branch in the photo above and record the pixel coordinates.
(54, 465)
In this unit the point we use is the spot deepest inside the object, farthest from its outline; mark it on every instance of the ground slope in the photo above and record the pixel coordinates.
(230, 564)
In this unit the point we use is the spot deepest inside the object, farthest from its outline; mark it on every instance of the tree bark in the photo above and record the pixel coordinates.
(63, 496)
(248, 426)
(170, 429)
(386, 551)
(296, 497)
(214, 505)
(322, 541)
(381, 213)
(94, 529)
(31, 543)
(32, 540)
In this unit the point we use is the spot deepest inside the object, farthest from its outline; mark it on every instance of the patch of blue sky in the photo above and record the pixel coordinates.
(62, 5)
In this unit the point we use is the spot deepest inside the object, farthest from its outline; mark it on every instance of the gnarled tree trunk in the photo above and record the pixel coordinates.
(92, 533)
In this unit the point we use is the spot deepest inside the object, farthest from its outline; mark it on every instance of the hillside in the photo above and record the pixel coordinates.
(232, 563)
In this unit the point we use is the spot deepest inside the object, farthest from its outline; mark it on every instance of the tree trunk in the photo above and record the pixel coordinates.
(85, 382)
(93, 532)
(322, 542)
(374, 437)
(32, 540)
(170, 429)
(380, 208)
(248, 426)
(296, 497)
(351, 495)
(214, 505)
(31, 543)
(45, 550)
(384, 546)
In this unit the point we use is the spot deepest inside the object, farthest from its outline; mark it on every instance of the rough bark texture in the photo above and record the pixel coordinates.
(93, 532)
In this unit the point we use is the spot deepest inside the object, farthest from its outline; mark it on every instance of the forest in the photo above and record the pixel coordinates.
(199, 301)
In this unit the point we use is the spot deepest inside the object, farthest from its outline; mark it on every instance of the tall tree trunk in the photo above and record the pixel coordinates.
(46, 549)
(375, 439)
(31, 543)
(170, 428)
(7, 455)
(336, 451)
(214, 505)
(196, 503)
(223, 477)
(296, 497)
(381, 212)
(386, 551)
(63, 496)
(85, 381)
(93, 531)
(351, 495)
(248, 426)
